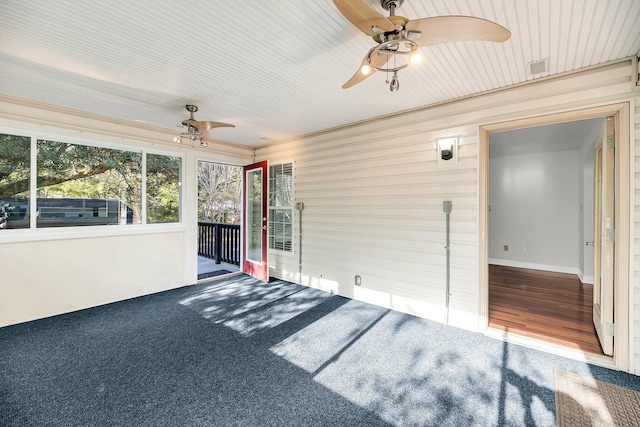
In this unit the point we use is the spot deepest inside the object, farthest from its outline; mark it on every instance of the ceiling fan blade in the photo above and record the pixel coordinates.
(363, 16)
(204, 126)
(376, 61)
(444, 29)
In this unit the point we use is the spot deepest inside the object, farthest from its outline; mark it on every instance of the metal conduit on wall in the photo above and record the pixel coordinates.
(446, 207)
(300, 208)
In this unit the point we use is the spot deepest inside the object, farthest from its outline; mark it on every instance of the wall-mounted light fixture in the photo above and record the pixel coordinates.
(447, 151)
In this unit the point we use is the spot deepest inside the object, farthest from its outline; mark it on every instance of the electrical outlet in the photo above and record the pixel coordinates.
(523, 249)
(358, 280)
(505, 248)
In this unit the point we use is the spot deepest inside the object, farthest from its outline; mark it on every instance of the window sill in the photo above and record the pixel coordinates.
(87, 232)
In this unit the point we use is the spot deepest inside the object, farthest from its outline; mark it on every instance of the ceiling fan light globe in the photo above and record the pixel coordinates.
(415, 58)
(394, 85)
(366, 69)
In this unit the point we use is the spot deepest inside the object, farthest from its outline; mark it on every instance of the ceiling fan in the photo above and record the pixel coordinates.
(399, 37)
(196, 130)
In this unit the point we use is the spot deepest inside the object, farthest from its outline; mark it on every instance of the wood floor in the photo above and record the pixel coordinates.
(554, 307)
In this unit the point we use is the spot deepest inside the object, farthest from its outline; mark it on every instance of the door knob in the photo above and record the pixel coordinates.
(588, 243)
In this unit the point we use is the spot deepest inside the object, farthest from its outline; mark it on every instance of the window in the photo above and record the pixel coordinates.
(14, 181)
(219, 193)
(78, 185)
(281, 207)
(163, 188)
(85, 185)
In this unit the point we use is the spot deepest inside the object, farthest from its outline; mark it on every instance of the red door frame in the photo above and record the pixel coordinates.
(257, 270)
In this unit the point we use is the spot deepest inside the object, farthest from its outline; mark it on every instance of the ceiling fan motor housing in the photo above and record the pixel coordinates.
(398, 33)
(388, 4)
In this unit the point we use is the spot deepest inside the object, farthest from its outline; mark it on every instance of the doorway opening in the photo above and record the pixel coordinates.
(537, 222)
(219, 218)
(541, 204)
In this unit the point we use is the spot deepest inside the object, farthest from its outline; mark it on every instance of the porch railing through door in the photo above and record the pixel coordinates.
(219, 241)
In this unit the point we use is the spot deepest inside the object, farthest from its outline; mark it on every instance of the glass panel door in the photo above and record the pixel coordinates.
(254, 215)
(254, 224)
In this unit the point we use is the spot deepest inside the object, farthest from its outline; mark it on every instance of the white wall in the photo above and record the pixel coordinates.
(52, 271)
(50, 277)
(535, 211)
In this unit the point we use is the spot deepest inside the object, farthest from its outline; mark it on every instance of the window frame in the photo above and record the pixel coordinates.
(291, 208)
(33, 233)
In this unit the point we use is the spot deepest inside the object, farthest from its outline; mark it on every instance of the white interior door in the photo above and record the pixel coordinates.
(604, 236)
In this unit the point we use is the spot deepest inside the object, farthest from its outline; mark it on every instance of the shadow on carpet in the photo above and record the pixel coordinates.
(239, 352)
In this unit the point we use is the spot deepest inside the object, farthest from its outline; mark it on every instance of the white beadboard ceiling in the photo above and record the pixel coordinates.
(275, 69)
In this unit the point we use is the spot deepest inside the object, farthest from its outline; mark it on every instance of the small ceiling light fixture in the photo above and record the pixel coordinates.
(447, 151)
(197, 131)
(192, 135)
(393, 46)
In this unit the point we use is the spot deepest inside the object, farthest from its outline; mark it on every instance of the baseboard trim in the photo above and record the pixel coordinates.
(585, 280)
(588, 280)
(535, 266)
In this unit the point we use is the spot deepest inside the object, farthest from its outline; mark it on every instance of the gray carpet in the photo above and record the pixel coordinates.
(241, 353)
